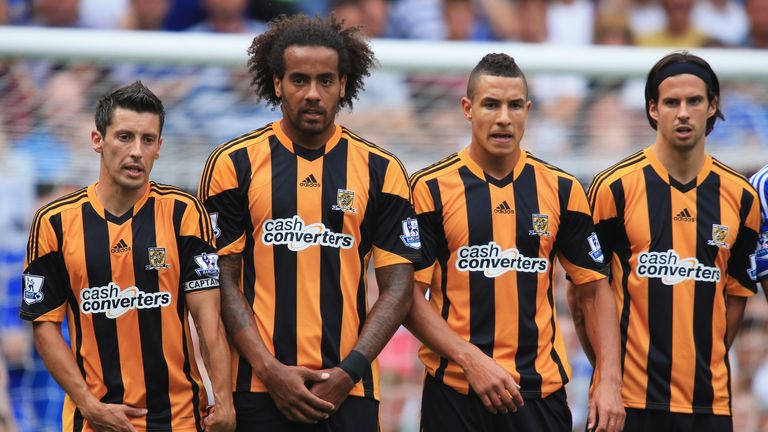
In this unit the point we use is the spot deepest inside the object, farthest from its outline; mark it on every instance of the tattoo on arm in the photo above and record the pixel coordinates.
(391, 308)
(235, 311)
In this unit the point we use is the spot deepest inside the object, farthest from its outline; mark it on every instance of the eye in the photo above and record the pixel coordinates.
(326, 81)
(491, 104)
(298, 80)
(671, 102)
(124, 137)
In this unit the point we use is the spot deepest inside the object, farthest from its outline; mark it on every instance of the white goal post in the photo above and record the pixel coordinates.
(107, 47)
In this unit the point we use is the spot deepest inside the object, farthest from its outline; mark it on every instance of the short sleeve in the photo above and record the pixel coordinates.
(740, 277)
(578, 246)
(221, 194)
(197, 254)
(396, 231)
(430, 225)
(45, 281)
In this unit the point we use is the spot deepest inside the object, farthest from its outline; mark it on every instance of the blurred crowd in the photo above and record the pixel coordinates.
(46, 115)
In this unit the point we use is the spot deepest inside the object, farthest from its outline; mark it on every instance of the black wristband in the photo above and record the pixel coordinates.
(355, 364)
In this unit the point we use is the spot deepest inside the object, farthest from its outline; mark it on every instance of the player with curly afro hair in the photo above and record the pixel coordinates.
(298, 207)
(267, 53)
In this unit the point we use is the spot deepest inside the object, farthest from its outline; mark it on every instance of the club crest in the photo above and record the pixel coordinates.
(344, 201)
(719, 234)
(156, 258)
(540, 225)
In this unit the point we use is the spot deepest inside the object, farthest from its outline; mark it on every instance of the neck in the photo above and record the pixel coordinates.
(309, 141)
(118, 200)
(682, 165)
(497, 167)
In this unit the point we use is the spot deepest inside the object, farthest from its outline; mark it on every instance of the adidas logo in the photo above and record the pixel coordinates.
(310, 181)
(503, 208)
(684, 216)
(120, 247)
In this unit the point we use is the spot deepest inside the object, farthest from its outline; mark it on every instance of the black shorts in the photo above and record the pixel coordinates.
(443, 409)
(258, 412)
(648, 420)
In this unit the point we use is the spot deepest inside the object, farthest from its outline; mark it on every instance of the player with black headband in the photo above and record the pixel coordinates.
(678, 228)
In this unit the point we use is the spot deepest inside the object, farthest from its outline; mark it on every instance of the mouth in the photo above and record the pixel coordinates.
(133, 170)
(313, 114)
(502, 137)
(683, 131)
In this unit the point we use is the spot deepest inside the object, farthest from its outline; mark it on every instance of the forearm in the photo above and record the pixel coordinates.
(238, 319)
(577, 315)
(602, 327)
(425, 323)
(205, 308)
(389, 311)
(61, 363)
(734, 310)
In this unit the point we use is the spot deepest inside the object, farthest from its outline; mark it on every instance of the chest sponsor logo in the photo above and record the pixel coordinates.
(297, 235)
(719, 234)
(113, 302)
(156, 257)
(33, 289)
(345, 199)
(207, 265)
(540, 225)
(410, 235)
(215, 224)
(494, 261)
(671, 269)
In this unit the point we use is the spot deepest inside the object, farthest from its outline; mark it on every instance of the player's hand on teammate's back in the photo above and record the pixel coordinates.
(112, 417)
(220, 419)
(336, 388)
(288, 387)
(492, 383)
(606, 409)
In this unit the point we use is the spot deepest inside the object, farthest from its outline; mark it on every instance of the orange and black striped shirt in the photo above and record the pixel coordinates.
(676, 252)
(121, 281)
(489, 255)
(306, 223)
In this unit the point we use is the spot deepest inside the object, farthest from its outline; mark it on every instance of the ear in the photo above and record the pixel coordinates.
(343, 82)
(159, 145)
(653, 110)
(466, 107)
(712, 108)
(277, 81)
(97, 141)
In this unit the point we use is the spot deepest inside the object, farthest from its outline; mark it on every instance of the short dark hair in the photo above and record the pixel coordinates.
(135, 97)
(495, 64)
(266, 53)
(710, 80)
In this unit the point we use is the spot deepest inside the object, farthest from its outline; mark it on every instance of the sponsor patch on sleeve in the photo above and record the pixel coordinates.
(596, 253)
(207, 265)
(410, 235)
(33, 286)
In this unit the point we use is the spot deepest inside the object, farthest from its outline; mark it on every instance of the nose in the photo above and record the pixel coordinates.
(682, 113)
(313, 92)
(504, 117)
(134, 148)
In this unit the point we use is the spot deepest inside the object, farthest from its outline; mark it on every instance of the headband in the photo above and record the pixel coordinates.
(679, 68)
